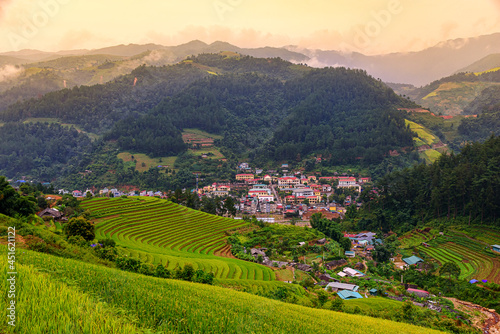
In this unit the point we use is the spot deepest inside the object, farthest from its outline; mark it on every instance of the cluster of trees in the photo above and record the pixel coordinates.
(331, 229)
(344, 115)
(464, 186)
(41, 150)
(96, 108)
(12, 203)
(485, 125)
(188, 273)
(220, 206)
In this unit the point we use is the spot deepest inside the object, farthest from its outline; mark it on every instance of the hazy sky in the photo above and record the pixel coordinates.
(367, 26)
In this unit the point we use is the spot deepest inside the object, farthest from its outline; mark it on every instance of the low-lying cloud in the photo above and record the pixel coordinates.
(9, 72)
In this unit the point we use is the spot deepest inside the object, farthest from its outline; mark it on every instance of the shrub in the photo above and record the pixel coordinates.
(77, 240)
(107, 243)
(80, 227)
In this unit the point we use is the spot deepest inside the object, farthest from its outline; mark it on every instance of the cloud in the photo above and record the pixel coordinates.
(9, 72)
(3, 3)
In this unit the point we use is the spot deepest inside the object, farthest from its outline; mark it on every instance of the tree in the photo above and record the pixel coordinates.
(381, 253)
(450, 269)
(322, 297)
(42, 202)
(337, 304)
(11, 203)
(80, 226)
(229, 205)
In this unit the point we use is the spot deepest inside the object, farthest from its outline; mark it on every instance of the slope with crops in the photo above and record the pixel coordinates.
(469, 250)
(133, 303)
(158, 231)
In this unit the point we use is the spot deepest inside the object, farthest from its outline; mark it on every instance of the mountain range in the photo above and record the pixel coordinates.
(416, 68)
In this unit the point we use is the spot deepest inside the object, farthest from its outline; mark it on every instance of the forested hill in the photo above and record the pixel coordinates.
(344, 115)
(268, 109)
(463, 187)
(341, 114)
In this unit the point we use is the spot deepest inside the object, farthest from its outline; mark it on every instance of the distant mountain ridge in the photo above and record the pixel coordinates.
(417, 68)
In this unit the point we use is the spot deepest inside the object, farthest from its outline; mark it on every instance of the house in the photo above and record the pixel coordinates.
(364, 180)
(242, 177)
(52, 213)
(346, 295)
(288, 181)
(496, 248)
(350, 254)
(77, 193)
(326, 278)
(321, 241)
(412, 260)
(219, 193)
(353, 272)
(373, 292)
(345, 182)
(335, 263)
(267, 178)
(304, 267)
(418, 293)
(342, 286)
(256, 252)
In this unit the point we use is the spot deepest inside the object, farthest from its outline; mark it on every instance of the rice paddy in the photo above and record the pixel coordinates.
(158, 231)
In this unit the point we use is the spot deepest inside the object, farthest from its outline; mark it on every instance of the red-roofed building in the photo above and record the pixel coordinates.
(347, 182)
(418, 293)
(364, 180)
(288, 181)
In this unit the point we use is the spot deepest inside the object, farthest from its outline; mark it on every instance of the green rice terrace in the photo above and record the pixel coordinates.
(158, 231)
(80, 297)
(468, 248)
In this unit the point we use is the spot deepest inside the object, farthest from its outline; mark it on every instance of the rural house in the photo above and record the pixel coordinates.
(342, 286)
(349, 295)
(496, 248)
(412, 260)
(52, 213)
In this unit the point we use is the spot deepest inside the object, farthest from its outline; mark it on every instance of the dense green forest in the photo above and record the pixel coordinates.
(480, 128)
(96, 108)
(265, 110)
(342, 114)
(462, 187)
(43, 151)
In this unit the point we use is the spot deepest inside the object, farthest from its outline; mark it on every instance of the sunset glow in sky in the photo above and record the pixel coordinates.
(366, 26)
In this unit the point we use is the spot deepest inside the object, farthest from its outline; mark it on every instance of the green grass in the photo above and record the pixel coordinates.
(41, 120)
(374, 304)
(144, 162)
(468, 248)
(168, 306)
(158, 231)
(44, 305)
(431, 155)
(425, 137)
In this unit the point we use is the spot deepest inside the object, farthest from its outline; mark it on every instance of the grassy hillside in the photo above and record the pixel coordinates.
(469, 248)
(158, 231)
(112, 301)
(451, 98)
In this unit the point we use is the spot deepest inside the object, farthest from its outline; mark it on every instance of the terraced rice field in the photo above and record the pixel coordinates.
(416, 237)
(472, 256)
(158, 231)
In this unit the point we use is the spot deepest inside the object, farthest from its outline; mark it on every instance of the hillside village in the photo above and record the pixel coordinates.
(276, 195)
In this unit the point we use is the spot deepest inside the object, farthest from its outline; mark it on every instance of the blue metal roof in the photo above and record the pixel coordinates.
(412, 260)
(346, 294)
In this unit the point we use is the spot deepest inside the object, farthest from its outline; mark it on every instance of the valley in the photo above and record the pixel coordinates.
(211, 188)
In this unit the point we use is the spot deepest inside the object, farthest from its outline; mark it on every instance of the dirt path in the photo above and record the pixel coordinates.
(487, 321)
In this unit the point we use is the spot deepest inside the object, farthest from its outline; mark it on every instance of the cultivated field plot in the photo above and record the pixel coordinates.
(84, 298)
(158, 231)
(416, 237)
(473, 256)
